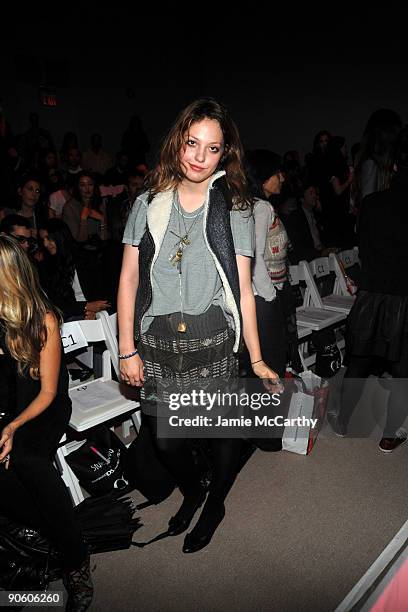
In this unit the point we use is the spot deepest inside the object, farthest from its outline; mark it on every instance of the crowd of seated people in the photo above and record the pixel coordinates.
(78, 203)
(93, 194)
(87, 195)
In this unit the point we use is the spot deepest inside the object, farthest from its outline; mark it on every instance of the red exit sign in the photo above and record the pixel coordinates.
(48, 98)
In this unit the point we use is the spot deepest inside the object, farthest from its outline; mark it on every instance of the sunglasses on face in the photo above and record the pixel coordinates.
(23, 239)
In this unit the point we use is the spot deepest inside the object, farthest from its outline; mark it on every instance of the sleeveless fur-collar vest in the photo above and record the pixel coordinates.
(219, 241)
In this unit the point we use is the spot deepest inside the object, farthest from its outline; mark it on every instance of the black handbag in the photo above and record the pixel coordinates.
(27, 561)
(328, 356)
(100, 462)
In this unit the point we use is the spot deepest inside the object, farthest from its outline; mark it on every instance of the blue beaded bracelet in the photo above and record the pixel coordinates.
(128, 356)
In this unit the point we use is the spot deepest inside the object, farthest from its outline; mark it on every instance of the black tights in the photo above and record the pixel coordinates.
(358, 370)
(177, 456)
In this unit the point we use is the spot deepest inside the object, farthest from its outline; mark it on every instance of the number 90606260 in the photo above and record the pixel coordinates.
(31, 598)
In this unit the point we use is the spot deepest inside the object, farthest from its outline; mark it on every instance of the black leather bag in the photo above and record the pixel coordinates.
(27, 560)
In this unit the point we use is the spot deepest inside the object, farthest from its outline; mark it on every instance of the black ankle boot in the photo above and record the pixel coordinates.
(201, 535)
(78, 584)
(191, 503)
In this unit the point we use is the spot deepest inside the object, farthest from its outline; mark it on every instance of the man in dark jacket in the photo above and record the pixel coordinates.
(303, 230)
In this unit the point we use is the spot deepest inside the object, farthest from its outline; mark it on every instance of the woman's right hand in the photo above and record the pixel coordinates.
(132, 371)
(6, 443)
(270, 378)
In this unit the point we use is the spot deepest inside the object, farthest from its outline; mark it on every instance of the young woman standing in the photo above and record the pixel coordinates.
(185, 297)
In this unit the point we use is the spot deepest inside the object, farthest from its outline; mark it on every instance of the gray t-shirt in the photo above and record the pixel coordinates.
(199, 284)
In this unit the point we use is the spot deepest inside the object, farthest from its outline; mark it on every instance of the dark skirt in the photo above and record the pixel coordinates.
(179, 362)
(378, 326)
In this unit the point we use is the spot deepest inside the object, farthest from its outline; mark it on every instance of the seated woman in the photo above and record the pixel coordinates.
(31, 489)
(85, 215)
(58, 274)
(85, 212)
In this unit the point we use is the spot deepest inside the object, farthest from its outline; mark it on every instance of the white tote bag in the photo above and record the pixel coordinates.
(307, 403)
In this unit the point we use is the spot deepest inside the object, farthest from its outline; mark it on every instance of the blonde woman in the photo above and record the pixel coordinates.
(40, 409)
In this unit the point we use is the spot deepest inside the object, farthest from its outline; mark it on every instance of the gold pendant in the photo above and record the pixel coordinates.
(182, 327)
(175, 259)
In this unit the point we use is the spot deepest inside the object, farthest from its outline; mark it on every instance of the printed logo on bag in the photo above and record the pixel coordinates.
(99, 462)
(335, 365)
(114, 461)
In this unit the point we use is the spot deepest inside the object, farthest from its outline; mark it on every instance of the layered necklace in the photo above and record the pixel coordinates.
(176, 258)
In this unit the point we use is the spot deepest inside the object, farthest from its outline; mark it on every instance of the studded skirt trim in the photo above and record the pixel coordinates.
(201, 358)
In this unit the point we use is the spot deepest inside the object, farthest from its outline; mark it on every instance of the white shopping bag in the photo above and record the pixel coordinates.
(308, 401)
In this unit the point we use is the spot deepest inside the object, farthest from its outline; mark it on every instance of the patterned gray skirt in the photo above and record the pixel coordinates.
(179, 362)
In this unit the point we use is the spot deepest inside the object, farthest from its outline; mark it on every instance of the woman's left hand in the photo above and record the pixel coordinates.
(6, 443)
(270, 378)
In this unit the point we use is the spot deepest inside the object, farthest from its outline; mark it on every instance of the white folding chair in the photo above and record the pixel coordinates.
(320, 270)
(338, 267)
(110, 327)
(68, 476)
(93, 402)
(303, 331)
(311, 314)
(349, 257)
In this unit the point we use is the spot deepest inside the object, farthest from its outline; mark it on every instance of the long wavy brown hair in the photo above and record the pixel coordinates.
(23, 307)
(168, 172)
